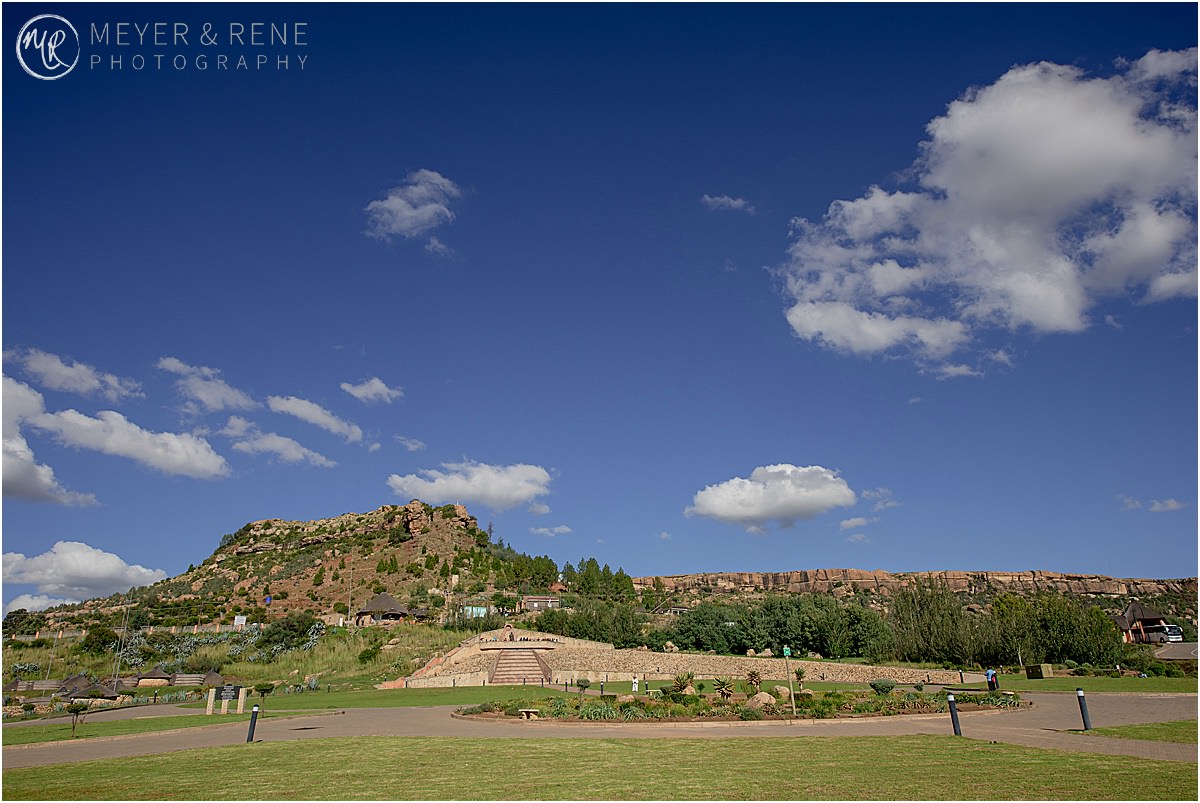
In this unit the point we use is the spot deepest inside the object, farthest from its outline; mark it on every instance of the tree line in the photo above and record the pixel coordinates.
(925, 623)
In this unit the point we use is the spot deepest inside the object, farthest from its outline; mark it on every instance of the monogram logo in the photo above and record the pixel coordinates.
(48, 47)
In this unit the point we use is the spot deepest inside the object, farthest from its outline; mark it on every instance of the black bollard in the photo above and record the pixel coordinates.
(1087, 721)
(954, 715)
(602, 688)
(253, 719)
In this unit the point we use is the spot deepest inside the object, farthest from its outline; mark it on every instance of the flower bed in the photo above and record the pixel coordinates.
(699, 707)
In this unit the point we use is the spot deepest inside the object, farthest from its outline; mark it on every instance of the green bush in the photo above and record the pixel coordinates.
(883, 685)
(750, 714)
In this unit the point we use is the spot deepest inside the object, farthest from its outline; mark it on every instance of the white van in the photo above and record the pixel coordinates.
(1157, 634)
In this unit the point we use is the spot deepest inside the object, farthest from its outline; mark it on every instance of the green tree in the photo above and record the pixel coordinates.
(723, 686)
(98, 641)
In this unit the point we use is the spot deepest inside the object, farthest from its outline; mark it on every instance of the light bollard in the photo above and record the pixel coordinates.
(1087, 721)
(253, 719)
(954, 715)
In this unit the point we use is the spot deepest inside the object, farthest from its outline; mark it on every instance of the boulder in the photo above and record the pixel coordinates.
(750, 653)
(670, 647)
(782, 692)
(759, 700)
(766, 653)
(626, 698)
(806, 693)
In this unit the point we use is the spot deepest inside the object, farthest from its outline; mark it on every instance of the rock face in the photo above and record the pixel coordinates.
(841, 582)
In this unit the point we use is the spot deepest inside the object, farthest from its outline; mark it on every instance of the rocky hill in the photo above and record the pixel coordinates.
(418, 553)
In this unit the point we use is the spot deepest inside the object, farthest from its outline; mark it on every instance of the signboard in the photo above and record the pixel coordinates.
(228, 692)
(239, 621)
(787, 652)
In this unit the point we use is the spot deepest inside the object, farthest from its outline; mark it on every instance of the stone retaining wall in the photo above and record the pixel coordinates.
(571, 659)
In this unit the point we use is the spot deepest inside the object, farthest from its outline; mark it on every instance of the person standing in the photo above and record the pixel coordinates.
(991, 679)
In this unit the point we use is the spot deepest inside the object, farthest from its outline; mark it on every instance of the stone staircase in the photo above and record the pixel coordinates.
(515, 667)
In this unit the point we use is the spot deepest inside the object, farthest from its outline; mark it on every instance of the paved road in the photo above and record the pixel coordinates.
(1177, 651)
(1047, 724)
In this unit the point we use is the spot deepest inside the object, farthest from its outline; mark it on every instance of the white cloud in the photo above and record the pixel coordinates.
(724, 203)
(316, 415)
(781, 493)
(550, 532)
(538, 508)
(250, 439)
(498, 487)
(35, 602)
(857, 521)
(882, 497)
(202, 386)
(419, 205)
(1128, 502)
(24, 477)
(55, 373)
(373, 390)
(663, 536)
(438, 248)
(411, 444)
(1035, 197)
(112, 433)
(857, 538)
(78, 571)
(1165, 505)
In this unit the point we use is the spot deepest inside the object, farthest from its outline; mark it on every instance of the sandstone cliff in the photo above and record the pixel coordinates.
(846, 581)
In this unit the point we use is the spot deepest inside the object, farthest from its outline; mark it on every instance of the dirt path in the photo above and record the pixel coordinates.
(1049, 723)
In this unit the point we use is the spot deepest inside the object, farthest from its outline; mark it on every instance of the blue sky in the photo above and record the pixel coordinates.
(684, 288)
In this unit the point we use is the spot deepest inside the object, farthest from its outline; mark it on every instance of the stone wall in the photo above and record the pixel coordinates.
(468, 665)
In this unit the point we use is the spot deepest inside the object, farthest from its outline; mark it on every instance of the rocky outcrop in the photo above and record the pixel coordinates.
(846, 581)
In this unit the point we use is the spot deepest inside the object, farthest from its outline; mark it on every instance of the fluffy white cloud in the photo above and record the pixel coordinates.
(202, 386)
(55, 373)
(1035, 197)
(77, 571)
(498, 487)
(112, 433)
(250, 439)
(35, 602)
(538, 508)
(24, 477)
(419, 205)
(550, 532)
(316, 415)
(1165, 506)
(781, 493)
(857, 521)
(373, 390)
(724, 203)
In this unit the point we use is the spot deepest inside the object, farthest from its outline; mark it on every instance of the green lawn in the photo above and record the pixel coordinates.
(791, 768)
(59, 728)
(1182, 731)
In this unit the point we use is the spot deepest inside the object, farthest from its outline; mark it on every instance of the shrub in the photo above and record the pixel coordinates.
(750, 714)
(369, 654)
(883, 685)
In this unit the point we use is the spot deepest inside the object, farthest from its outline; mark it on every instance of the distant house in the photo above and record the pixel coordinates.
(477, 609)
(380, 609)
(1136, 621)
(677, 610)
(536, 603)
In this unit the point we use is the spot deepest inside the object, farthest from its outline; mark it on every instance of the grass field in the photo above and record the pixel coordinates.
(59, 728)
(799, 768)
(1181, 732)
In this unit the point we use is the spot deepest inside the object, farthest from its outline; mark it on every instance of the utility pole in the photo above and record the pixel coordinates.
(350, 593)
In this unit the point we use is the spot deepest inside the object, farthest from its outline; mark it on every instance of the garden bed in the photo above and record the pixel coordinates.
(713, 708)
